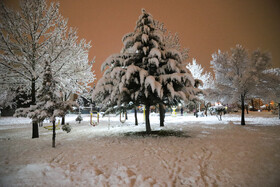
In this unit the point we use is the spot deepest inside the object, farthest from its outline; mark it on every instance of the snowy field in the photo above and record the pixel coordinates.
(201, 152)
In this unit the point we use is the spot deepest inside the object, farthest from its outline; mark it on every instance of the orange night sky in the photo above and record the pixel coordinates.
(204, 26)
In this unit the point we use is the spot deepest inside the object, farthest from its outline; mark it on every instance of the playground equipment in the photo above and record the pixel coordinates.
(218, 111)
(94, 123)
(174, 113)
(122, 114)
(50, 127)
(199, 114)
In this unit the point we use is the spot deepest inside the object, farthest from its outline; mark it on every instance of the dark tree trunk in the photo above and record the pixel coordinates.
(247, 109)
(147, 118)
(253, 106)
(53, 137)
(33, 92)
(242, 110)
(279, 110)
(63, 120)
(195, 109)
(135, 116)
(206, 108)
(161, 114)
(125, 115)
(35, 130)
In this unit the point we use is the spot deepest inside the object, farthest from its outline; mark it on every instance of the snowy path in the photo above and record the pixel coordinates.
(209, 153)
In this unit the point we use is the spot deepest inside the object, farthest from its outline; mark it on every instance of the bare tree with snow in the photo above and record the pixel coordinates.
(207, 85)
(269, 86)
(35, 34)
(146, 72)
(173, 42)
(270, 80)
(7, 99)
(237, 74)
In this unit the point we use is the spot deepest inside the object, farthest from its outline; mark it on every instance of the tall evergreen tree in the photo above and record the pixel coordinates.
(146, 72)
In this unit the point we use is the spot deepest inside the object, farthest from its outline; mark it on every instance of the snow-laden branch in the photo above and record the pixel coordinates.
(38, 33)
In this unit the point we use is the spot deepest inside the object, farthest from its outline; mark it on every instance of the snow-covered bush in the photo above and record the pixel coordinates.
(79, 118)
(66, 127)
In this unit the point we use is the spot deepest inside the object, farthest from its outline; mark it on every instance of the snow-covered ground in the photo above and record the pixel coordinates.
(203, 152)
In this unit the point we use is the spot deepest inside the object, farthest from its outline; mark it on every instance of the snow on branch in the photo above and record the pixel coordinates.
(131, 69)
(38, 33)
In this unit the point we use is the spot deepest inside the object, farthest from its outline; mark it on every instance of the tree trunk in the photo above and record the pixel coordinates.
(53, 137)
(161, 114)
(242, 110)
(35, 130)
(279, 110)
(206, 108)
(63, 120)
(247, 109)
(147, 118)
(195, 109)
(33, 92)
(125, 115)
(135, 116)
(253, 106)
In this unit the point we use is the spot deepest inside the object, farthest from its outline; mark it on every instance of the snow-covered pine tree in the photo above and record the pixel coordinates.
(106, 92)
(159, 71)
(237, 74)
(49, 104)
(171, 41)
(150, 73)
(80, 102)
(207, 82)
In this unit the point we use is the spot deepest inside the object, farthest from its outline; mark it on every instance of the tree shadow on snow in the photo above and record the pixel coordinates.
(159, 133)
